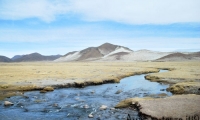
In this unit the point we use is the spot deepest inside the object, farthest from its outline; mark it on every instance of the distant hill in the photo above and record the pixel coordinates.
(107, 52)
(16, 57)
(94, 53)
(180, 57)
(35, 57)
(5, 59)
(110, 52)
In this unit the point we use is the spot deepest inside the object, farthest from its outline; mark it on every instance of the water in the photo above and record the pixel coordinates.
(72, 103)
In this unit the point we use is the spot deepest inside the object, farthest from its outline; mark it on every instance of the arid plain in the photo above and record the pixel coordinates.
(183, 77)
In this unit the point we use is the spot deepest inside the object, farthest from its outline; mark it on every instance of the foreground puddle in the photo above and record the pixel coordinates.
(78, 103)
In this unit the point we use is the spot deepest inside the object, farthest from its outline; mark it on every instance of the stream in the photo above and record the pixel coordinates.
(78, 103)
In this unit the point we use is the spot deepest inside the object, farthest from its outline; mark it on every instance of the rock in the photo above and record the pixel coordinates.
(133, 103)
(55, 105)
(103, 107)
(77, 98)
(48, 89)
(85, 106)
(162, 89)
(26, 97)
(90, 116)
(7, 103)
(118, 92)
(43, 91)
(112, 108)
(38, 101)
(93, 92)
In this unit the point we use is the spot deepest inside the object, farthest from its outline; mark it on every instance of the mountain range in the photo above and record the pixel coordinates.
(180, 57)
(29, 58)
(107, 52)
(110, 52)
(94, 53)
(5, 59)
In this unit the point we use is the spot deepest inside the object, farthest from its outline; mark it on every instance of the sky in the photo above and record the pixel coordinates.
(53, 27)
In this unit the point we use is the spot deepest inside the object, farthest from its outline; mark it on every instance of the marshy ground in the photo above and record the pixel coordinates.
(183, 77)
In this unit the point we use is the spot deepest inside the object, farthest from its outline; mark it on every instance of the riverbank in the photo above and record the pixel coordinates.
(95, 102)
(183, 107)
(183, 77)
(15, 77)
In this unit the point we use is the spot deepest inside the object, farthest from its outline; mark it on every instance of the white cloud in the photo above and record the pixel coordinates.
(45, 10)
(126, 11)
(140, 11)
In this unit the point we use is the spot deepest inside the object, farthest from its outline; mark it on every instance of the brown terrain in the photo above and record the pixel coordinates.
(5, 59)
(110, 63)
(92, 53)
(36, 57)
(180, 57)
(183, 77)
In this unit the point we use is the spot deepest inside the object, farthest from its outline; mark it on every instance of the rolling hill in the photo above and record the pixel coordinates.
(5, 59)
(180, 57)
(36, 57)
(94, 53)
(110, 52)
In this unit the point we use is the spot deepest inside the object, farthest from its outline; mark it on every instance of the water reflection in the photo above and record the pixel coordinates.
(78, 103)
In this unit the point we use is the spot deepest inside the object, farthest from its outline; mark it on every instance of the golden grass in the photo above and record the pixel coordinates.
(185, 87)
(180, 72)
(35, 73)
(30, 76)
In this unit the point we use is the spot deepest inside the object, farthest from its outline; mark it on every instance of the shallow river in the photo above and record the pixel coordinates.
(78, 103)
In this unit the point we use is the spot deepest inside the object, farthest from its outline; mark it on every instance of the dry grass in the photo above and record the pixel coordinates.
(185, 88)
(30, 76)
(35, 76)
(35, 73)
(177, 106)
(180, 72)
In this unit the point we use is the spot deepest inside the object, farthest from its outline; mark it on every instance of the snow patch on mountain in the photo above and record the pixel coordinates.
(70, 57)
(118, 50)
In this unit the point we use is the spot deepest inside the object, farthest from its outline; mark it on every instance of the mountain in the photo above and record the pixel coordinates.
(140, 55)
(180, 57)
(16, 57)
(35, 57)
(5, 59)
(94, 53)
(110, 52)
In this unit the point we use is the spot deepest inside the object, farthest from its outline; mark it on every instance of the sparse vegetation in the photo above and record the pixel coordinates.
(37, 75)
(172, 107)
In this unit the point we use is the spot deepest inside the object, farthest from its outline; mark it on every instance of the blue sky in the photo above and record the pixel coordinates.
(57, 27)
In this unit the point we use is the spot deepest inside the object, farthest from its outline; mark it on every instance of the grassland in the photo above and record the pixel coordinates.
(35, 76)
